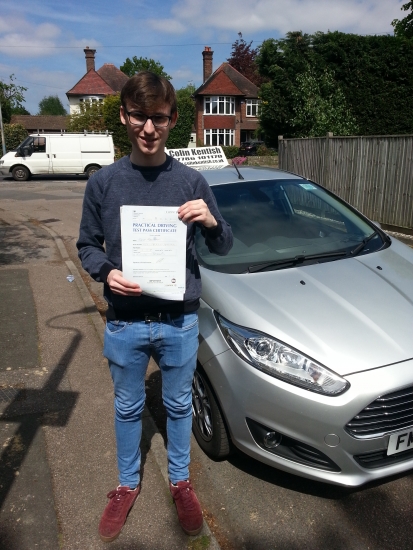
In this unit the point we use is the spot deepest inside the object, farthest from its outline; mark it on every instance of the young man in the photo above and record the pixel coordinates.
(139, 325)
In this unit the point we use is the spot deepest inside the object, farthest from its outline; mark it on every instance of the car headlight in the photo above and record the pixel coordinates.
(1, 162)
(276, 359)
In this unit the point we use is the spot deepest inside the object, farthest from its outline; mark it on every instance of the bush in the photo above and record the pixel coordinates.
(230, 151)
(180, 135)
(14, 134)
(110, 110)
(89, 117)
(263, 151)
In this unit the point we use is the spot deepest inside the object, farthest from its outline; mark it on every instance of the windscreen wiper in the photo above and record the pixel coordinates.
(294, 261)
(363, 243)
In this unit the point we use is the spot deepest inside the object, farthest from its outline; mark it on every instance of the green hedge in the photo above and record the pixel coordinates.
(14, 134)
(373, 74)
(230, 151)
(180, 135)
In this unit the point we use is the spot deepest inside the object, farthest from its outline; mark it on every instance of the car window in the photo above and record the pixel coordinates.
(35, 144)
(39, 145)
(282, 219)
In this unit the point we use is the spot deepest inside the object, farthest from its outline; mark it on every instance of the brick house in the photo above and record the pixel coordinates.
(95, 85)
(226, 105)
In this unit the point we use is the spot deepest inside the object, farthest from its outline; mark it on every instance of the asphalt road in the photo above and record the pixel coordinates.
(248, 505)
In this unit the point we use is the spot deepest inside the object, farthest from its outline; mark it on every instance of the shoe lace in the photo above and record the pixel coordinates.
(187, 500)
(117, 499)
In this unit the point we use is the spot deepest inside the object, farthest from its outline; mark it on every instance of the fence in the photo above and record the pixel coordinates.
(373, 173)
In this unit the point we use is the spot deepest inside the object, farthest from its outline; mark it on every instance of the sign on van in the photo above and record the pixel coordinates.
(200, 158)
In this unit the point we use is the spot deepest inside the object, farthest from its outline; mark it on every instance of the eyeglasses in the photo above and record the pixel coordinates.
(139, 119)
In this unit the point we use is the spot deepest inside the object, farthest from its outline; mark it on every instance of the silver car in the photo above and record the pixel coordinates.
(306, 334)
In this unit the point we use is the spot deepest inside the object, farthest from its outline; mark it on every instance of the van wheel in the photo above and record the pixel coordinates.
(21, 173)
(208, 425)
(91, 170)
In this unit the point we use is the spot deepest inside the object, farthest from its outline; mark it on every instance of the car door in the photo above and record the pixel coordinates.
(38, 160)
(65, 154)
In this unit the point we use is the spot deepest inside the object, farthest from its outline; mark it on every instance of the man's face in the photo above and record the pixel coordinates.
(148, 141)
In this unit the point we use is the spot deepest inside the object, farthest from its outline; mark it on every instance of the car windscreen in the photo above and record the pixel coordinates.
(282, 223)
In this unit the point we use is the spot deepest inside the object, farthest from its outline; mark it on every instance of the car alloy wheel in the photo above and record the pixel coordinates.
(91, 170)
(208, 424)
(21, 173)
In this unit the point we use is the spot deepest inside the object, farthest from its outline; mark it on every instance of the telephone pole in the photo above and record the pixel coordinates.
(3, 142)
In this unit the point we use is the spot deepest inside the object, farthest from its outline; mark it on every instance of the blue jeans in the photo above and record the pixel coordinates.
(128, 347)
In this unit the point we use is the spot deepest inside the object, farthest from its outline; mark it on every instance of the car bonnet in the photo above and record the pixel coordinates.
(350, 315)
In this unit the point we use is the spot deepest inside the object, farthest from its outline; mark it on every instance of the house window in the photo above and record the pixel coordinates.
(219, 105)
(253, 106)
(90, 99)
(219, 137)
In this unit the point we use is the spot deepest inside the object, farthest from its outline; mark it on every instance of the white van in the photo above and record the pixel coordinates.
(58, 154)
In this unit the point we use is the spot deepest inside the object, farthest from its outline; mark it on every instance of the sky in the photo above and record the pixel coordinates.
(42, 42)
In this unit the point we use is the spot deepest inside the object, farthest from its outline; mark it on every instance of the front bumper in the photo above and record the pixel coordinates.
(249, 397)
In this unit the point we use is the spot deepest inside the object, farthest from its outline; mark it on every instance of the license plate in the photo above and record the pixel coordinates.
(401, 441)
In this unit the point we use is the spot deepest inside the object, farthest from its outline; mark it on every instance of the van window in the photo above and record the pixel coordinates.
(39, 145)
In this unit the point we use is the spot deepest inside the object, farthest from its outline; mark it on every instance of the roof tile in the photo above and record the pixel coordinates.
(113, 76)
(91, 84)
(41, 122)
(227, 80)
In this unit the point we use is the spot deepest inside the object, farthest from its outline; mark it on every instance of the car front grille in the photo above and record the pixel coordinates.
(380, 459)
(388, 413)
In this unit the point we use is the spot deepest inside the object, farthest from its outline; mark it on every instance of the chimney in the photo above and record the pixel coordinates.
(207, 55)
(90, 58)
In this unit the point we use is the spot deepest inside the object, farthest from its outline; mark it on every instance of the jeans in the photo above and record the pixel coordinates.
(128, 346)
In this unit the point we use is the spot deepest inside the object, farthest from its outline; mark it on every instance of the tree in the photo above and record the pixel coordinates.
(14, 134)
(11, 97)
(279, 62)
(19, 111)
(99, 117)
(51, 105)
(403, 28)
(243, 59)
(373, 74)
(89, 117)
(320, 106)
(110, 111)
(135, 65)
(186, 91)
(180, 135)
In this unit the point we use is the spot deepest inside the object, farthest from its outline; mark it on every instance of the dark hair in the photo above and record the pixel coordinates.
(148, 90)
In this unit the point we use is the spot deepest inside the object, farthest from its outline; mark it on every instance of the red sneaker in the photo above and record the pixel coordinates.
(187, 506)
(117, 509)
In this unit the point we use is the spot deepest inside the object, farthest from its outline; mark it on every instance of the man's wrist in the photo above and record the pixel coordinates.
(214, 232)
(214, 224)
(104, 272)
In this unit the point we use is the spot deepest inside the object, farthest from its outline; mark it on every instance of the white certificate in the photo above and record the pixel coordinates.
(154, 250)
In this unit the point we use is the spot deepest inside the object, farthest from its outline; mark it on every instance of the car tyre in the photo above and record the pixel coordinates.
(91, 170)
(21, 173)
(208, 424)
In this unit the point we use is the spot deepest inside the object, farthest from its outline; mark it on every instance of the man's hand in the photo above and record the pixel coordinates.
(197, 211)
(119, 285)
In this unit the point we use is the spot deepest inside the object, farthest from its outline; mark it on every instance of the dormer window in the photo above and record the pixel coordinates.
(219, 105)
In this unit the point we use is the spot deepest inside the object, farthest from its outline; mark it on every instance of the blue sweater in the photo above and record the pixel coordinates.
(99, 244)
